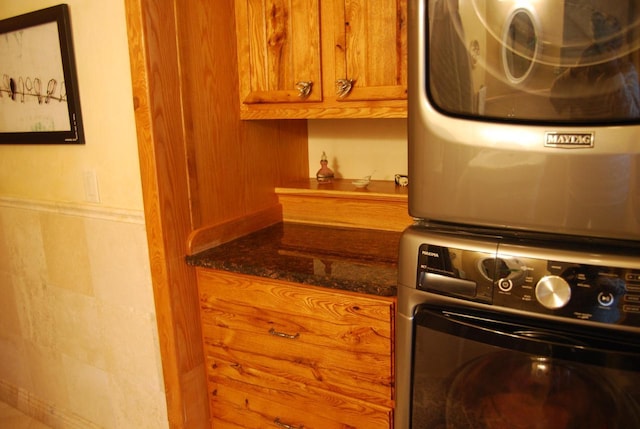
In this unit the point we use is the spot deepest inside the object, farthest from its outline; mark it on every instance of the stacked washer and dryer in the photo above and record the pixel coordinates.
(519, 283)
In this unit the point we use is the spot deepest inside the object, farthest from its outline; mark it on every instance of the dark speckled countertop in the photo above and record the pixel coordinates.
(357, 260)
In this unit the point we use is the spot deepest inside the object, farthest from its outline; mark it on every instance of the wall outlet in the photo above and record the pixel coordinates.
(91, 193)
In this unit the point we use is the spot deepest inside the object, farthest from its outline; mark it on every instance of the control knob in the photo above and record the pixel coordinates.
(553, 292)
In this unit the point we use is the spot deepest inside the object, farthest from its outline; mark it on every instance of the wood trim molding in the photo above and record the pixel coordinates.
(75, 209)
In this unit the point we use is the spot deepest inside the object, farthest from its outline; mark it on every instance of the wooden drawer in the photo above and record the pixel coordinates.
(243, 397)
(336, 341)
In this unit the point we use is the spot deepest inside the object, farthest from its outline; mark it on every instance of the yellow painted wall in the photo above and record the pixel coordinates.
(78, 335)
(55, 173)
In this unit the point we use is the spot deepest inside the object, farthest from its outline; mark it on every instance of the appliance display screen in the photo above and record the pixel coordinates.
(571, 61)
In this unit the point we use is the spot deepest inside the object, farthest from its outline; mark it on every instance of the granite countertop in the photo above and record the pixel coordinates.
(357, 260)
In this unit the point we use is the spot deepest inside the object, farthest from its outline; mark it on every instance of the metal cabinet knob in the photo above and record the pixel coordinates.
(304, 88)
(344, 87)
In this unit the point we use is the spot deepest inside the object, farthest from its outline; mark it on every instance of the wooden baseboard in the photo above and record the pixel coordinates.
(43, 411)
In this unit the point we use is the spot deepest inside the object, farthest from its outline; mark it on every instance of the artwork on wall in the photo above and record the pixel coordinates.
(39, 100)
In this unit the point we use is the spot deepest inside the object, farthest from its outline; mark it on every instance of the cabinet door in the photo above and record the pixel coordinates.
(370, 49)
(278, 50)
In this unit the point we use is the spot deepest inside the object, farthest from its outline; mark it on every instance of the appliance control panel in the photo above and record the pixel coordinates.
(562, 287)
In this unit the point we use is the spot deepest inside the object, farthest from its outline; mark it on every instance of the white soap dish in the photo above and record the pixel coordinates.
(362, 183)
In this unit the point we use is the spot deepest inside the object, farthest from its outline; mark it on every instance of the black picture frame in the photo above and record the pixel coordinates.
(39, 100)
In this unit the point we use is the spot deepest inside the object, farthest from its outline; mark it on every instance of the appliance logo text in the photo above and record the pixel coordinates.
(569, 140)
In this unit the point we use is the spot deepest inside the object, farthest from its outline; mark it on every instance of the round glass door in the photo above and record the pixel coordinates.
(513, 390)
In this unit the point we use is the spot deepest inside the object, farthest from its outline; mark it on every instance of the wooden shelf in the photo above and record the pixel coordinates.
(345, 188)
(382, 205)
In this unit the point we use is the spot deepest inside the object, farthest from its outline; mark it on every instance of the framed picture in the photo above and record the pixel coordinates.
(39, 100)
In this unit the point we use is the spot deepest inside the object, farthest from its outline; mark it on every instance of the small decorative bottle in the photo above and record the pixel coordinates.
(325, 174)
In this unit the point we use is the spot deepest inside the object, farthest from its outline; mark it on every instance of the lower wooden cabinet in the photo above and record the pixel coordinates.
(289, 356)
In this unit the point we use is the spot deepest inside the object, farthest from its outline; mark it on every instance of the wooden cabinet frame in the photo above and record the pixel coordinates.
(207, 177)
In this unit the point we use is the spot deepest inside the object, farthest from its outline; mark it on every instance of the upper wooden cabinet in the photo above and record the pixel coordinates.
(322, 59)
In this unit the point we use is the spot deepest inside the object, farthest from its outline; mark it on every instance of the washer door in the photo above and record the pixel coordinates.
(479, 370)
(513, 390)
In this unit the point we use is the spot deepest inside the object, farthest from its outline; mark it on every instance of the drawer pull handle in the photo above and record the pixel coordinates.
(283, 335)
(278, 423)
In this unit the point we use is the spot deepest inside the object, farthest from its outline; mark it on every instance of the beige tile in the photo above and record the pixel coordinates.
(79, 327)
(11, 418)
(9, 317)
(120, 264)
(137, 407)
(14, 367)
(36, 311)
(5, 249)
(21, 422)
(21, 249)
(134, 353)
(66, 252)
(47, 370)
(89, 393)
(7, 411)
(34, 424)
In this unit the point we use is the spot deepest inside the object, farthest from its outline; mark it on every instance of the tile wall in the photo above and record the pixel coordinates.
(78, 337)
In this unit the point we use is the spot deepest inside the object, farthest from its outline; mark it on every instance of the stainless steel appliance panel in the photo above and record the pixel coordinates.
(468, 300)
(503, 162)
